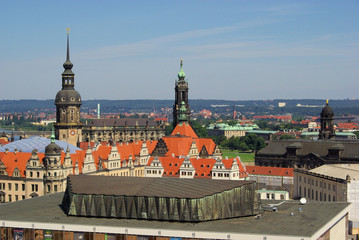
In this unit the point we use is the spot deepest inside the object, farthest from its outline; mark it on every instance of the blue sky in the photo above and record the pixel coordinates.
(235, 50)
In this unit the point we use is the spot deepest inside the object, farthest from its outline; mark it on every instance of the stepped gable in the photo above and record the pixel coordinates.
(228, 163)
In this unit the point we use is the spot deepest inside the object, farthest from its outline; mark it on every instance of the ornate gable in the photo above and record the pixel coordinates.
(161, 149)
(204, 152)
(16, 173)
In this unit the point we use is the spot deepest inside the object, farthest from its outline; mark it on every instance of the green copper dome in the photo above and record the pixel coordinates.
(181, 74)
(183, 110)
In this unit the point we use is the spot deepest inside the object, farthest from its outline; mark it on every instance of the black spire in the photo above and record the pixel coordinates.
(68, 75)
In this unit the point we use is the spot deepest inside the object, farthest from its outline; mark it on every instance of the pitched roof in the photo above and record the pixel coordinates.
(273, 171)
(184, 129)
(203, 167)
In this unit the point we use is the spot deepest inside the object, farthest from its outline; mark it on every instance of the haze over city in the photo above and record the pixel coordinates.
(235, 50)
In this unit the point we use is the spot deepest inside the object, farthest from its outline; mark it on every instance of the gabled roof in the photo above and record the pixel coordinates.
(178, 145)
(184, 129)
(203, 167)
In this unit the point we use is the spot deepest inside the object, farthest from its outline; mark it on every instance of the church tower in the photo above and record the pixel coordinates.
(181, 99)
(68, 126)
(326, 123)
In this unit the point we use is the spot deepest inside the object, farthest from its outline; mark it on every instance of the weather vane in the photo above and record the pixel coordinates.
(68, 29)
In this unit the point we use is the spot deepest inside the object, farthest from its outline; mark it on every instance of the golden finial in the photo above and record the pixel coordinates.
(68, 29)
(327, 101)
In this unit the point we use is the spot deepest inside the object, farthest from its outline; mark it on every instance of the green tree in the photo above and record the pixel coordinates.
(168, 129)
(286, 136)
(200, 130)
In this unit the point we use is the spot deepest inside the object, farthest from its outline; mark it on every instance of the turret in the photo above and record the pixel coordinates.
(181, 98)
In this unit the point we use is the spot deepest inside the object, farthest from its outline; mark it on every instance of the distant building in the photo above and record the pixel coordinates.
(122, 130)
(223, 129)
(284, 118)
(331, 183)
(281, 104)
(331, 148)
(272, 178)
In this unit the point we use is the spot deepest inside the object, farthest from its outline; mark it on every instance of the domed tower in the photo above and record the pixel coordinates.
(68, 125)
(181, 91)
(53, 178)
(326, 123)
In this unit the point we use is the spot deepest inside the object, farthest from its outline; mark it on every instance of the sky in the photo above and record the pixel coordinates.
(231, 49)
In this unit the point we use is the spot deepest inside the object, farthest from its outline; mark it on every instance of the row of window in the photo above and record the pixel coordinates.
(320, 183)
(16, 185)
(2, 198)
(309, 193)
(154, 171)
(221, 175)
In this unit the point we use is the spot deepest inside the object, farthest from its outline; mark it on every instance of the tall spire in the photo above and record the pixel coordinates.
(181, 74)
(68, 64)
(68, 45)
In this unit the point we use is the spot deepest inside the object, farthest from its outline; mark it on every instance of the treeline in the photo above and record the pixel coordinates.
(248, 107)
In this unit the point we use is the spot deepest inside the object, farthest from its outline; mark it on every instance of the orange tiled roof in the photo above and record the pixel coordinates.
(273, 171)
(347, 126)
(3, 142)
(178, 145)
(242, 169)
(208, 142)
(171, 166)
(203, 167)
(13, 160)
(184, 129)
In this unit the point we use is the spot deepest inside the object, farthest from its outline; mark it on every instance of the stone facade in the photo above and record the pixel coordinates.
(122, 130)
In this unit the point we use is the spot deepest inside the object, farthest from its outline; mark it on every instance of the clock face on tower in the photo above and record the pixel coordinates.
(72, 132)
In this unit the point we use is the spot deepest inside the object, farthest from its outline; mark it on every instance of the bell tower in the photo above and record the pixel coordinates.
(68, 126)
(181, 99)
(326, 123)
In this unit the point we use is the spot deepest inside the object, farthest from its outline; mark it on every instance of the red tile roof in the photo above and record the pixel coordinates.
(203, 167)
(184, 129)
(4, 142)
(273, 171)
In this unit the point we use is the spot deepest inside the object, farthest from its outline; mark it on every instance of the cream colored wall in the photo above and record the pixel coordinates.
(329, 189)
(338, 231)
(19, 193)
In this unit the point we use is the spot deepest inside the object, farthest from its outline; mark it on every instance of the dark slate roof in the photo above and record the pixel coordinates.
(320, 147)
(151, 187)
(123, 122)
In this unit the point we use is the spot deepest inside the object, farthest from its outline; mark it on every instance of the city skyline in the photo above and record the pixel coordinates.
(234, 50)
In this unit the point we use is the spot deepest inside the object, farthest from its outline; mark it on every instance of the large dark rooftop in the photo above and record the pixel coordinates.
(45, 212)
(150, 187)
